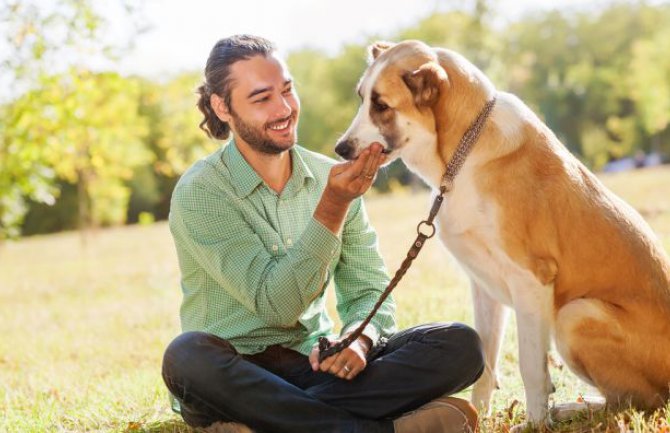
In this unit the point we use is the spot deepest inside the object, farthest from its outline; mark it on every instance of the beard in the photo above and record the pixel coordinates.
(257, 138)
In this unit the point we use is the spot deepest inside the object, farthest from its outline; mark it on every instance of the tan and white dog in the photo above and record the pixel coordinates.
(531, 226)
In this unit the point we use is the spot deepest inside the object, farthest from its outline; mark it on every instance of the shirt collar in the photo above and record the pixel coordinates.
(245, 179)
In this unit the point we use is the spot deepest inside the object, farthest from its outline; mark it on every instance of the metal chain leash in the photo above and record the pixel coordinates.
(326, 347)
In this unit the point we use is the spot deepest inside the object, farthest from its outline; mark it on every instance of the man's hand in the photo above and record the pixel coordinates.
(347, 181)
(345, 364)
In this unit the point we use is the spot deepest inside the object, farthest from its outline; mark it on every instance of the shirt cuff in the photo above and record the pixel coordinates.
(369, 331)
(319, 241)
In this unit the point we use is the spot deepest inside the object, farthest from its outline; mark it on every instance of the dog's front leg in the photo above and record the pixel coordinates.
(534, 304)
(490, 320)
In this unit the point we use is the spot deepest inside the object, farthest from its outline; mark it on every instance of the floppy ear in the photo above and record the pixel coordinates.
(377, 48)
(425, 83)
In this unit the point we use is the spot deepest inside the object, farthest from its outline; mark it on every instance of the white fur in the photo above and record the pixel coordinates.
(511, 115)
(468, 226)
(419, 151)
(362, 129)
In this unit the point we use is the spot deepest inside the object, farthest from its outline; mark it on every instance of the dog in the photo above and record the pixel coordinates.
(532, 227)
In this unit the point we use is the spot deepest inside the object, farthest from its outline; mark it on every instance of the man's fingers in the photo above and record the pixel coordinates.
(359, 164)
(328, 362)
(376, 163)
(370, 172)
(338, 366)
(314, 359)
(369, 169)
(354, 372)
(373, 163)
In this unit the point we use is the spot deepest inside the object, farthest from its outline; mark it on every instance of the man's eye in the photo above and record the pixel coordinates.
(289, 90)
(266, 98)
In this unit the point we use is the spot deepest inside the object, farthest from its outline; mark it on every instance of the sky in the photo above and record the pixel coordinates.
(183, 32)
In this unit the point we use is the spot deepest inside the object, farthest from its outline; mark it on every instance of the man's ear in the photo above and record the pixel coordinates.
(425, 83)
(377, 48)
(220, 108)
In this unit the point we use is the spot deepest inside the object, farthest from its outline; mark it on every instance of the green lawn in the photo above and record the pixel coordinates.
(83, 327)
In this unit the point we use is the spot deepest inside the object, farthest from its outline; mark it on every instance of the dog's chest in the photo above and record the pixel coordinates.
(468, 226)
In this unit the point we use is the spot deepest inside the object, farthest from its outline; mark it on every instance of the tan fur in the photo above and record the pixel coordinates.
(566, 227)
(529, 206)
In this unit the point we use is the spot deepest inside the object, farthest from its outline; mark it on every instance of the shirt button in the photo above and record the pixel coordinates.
(289, 241)
(275, 248)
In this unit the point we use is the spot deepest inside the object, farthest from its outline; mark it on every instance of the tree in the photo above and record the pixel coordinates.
(590, 75)
(89, 132)
(649, 83)
(41, 40)
(173, 138)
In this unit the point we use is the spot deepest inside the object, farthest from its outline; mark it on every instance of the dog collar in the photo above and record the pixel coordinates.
(464, 147)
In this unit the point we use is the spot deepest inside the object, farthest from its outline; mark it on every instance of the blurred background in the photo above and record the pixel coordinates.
(98, 121)
(97, 99)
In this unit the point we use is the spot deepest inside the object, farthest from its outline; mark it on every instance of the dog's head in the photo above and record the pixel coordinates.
(399, 91)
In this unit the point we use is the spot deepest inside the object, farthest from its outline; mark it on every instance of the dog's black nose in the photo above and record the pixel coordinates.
(345, 149)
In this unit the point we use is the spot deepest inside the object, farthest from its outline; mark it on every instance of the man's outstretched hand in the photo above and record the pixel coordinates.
(346, 182)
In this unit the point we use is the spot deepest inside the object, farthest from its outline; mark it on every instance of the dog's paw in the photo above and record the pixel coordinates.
(567, 411)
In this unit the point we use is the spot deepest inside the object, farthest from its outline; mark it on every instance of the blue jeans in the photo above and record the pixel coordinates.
(276, 391)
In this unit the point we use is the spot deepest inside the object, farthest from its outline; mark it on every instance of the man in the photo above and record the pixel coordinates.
(261, 226)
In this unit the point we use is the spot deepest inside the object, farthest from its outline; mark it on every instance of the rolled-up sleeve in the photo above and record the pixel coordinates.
(217, 236)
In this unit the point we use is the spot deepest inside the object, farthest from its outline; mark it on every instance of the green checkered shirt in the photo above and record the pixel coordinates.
(255, 264)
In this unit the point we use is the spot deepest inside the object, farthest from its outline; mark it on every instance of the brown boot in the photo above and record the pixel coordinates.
(442, 415)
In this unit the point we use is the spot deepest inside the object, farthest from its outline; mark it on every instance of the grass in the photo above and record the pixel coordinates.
(83, 327)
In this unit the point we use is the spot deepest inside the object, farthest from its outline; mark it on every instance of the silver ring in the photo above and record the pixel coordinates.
(347, 369)
(369, 176)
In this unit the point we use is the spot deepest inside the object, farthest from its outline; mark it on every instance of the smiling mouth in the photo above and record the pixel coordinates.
(281, 125)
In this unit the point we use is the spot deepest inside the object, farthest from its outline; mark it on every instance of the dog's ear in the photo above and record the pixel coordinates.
(377, 48)
(425, 83)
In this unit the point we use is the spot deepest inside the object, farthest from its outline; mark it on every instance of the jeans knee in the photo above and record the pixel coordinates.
(464, 340)
(187, 354)
(473, 351)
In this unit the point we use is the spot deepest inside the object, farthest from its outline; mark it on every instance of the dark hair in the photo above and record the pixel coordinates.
(217, 77)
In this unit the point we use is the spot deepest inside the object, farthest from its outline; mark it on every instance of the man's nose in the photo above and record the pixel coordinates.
(345, 149)
(284, 108)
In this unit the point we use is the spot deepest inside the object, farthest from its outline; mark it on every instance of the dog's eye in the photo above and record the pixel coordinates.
(379, 106)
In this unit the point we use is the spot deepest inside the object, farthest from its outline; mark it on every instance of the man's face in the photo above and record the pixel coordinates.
(264, 106)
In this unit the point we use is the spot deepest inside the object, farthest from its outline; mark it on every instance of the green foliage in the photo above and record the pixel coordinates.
(649, 81)
(599, 78)
(174, 136)
(23, 172)
(42, 112)
(327, 90)
(86, 128)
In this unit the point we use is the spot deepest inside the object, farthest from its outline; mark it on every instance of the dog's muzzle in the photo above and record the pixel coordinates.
(345, 149)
